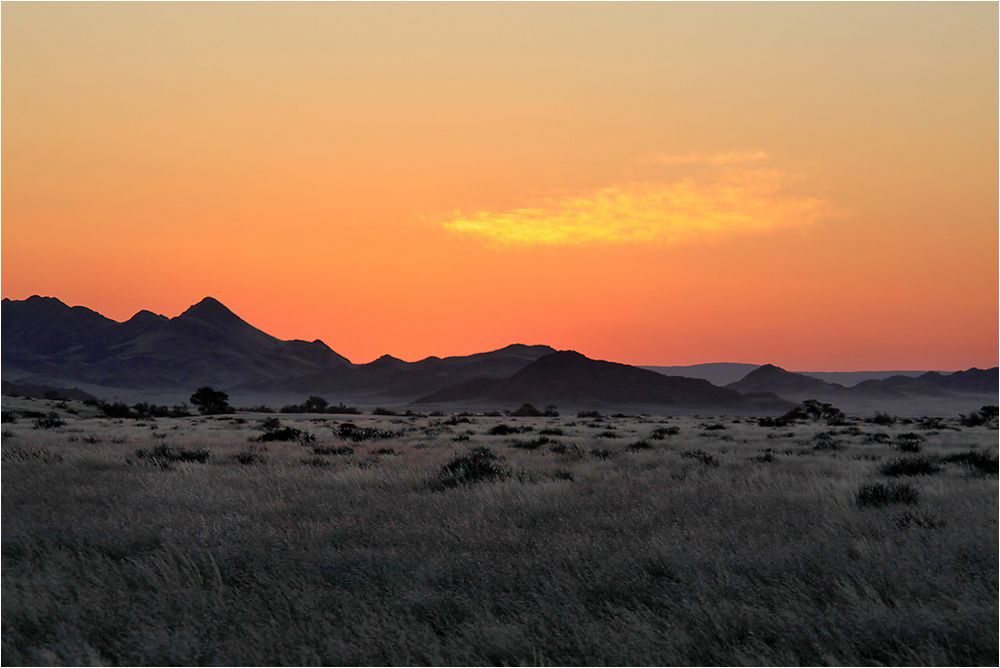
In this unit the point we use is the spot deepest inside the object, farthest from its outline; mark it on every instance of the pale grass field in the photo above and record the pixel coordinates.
(644, 557)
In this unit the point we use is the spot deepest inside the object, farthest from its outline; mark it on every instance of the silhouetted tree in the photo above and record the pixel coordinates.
(211, 402)
(315, 405)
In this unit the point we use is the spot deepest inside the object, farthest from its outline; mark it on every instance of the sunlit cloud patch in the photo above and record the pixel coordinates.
(737, 196)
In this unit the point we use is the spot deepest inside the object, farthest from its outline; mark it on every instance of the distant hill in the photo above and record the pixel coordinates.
(929, 393)
(391, 379)
(724, 373)
(771, 378)
(571, 378)
(49, 346)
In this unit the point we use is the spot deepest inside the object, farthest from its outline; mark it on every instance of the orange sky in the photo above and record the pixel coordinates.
(811, 185)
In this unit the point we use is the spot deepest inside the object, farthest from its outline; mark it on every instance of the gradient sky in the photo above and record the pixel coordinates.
(812, 185)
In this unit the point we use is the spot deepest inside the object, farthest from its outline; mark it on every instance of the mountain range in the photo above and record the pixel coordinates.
(47, 344)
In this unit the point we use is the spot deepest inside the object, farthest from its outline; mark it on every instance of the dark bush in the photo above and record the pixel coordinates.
(478, 465)
(704, 457)
(335, 450)
(166, 454)
(211, 402)
(639, 445)
(588, 414)
(352, 432)
(249, 457)
(602, 453)
(660, 433)
(378, 410)
(551, 432)
(50, 421)
(712, 427)
(883, 419)
(287, 434)
(976, 461)
(607, 433)
(910, 466)
(810, 409)
(825, 441)
(526, 410)
(884, 493)
(533, 444)
(909, 442)
(507, 430)
(983, 416)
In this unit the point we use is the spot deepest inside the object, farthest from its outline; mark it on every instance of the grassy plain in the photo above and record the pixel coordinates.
(723, 543)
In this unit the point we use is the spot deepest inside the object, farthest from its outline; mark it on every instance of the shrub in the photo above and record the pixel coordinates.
(566, 449)
(352, 432)
(506, 430)
(976, 461)
(764, 458)
(527, 410)
(478, 465)
(712, 427)
(882, 493)
(639, 445)
(378, 410)
(551, 432)
(909, 442)
(588, 414)
(166, 454)
(910, 466)
(287, 434)
(883, 419)
(607, 433)
(824, 441)
(704, 457)
(385, 452)
(249, 457)
(336, 450)
(660, 433)
(602, 453)
(877, 438)
(983, 416)
(50, 421)
(533, 444)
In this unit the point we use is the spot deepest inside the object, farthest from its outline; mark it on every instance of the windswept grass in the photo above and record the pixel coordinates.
(389, 543)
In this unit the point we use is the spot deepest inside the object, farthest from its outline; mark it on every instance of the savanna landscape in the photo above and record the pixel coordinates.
(471, 539)
(499, 333)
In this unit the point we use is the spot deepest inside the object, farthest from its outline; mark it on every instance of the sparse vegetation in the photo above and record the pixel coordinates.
(547, 554)
(885, 493)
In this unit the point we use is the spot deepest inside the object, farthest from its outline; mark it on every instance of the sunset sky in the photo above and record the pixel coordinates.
(812, 185)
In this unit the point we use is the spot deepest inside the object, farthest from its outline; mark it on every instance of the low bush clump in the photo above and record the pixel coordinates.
(984, 416)
(825, 441)
(975, 461)
(249, 457)
(340, 450)
(588, 414)
(506, 430)
(50, 421)
(639, 445)
(661, 433)
(287, 434)
(910, 466)
(884, 493)
(478, 465)
(551, 432)
(883, 419)
(704, 457)
(533, 444)
(167, 454)
(352, 432)
(909, 442)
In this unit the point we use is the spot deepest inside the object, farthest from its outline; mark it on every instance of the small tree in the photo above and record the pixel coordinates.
(315, 405)
(211, 402)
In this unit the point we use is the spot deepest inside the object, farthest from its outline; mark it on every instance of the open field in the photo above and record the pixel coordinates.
(587, 541)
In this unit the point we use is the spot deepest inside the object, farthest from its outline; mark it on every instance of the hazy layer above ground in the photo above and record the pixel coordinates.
(637, 540)
(723, 373)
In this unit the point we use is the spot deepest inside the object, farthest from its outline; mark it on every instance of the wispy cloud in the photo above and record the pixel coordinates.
(728, 201)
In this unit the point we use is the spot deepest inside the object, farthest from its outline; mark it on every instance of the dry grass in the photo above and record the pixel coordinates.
(753, 550)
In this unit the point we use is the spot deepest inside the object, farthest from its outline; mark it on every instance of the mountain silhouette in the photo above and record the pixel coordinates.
(572, 378)
(771, 378)
(44, 339)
